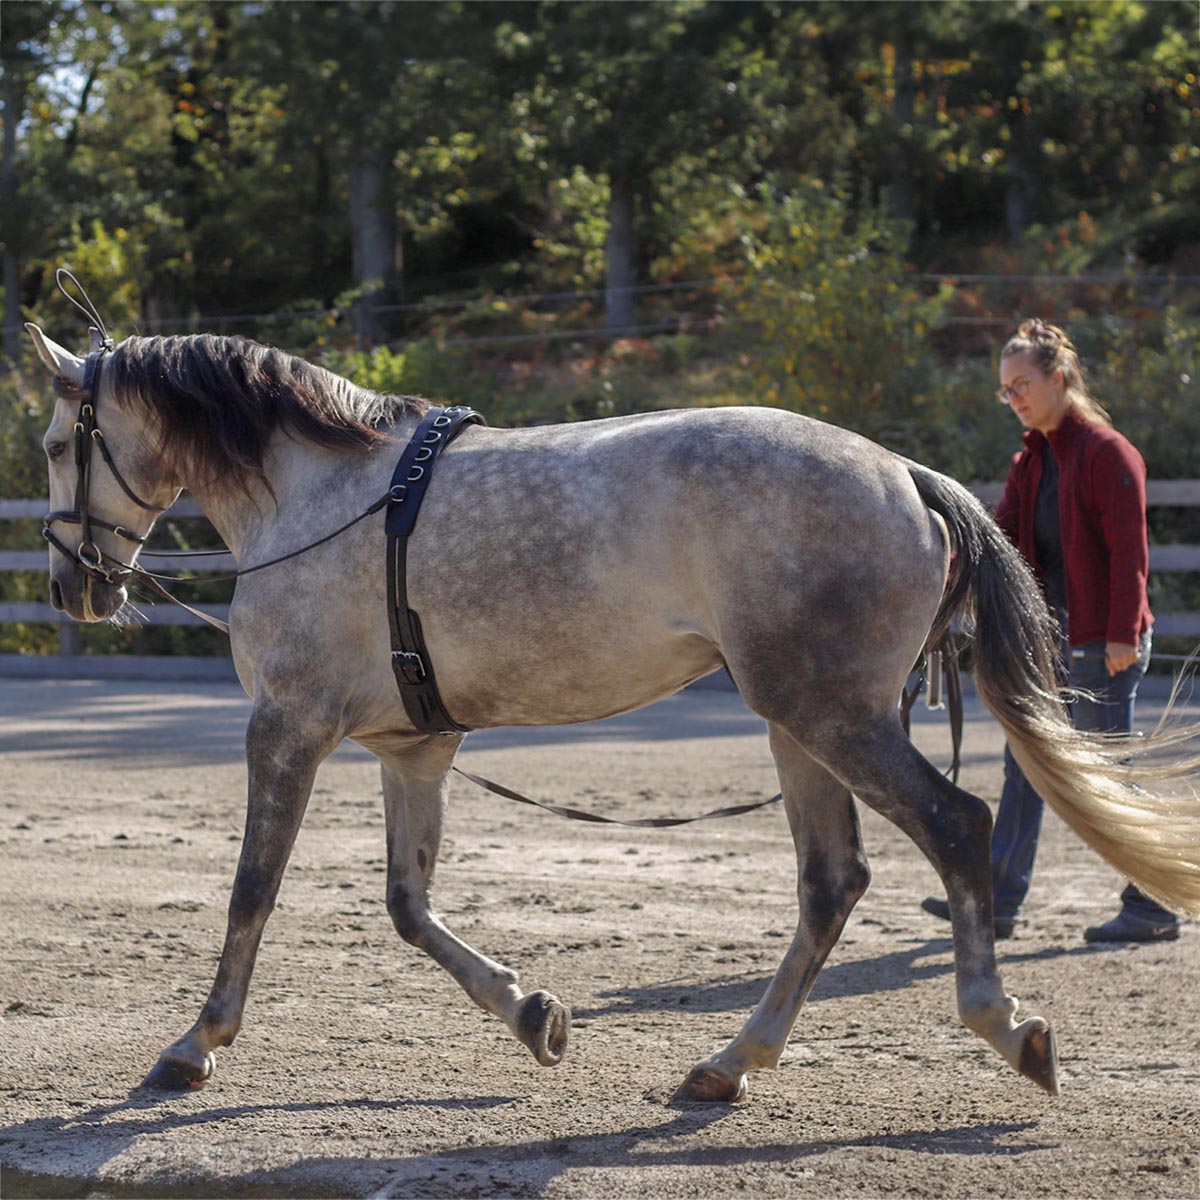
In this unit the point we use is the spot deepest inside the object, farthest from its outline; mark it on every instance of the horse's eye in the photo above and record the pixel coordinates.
(55, 450)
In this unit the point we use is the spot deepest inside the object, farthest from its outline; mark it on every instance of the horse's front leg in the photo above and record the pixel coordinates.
(414, 789)
(284, 747)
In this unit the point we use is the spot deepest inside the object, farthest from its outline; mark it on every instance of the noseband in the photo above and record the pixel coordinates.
(88, 436)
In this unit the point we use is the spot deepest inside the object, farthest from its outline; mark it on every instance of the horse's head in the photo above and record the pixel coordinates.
(107, 484)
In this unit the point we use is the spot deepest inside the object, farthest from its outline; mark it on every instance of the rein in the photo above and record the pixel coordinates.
(578, 814)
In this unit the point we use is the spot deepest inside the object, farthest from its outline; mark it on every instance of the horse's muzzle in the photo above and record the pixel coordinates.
(84, 597)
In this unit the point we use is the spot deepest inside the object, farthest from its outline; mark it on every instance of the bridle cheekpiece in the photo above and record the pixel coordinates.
(88, 437)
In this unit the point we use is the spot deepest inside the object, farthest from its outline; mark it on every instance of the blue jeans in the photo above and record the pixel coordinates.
(1019, 817)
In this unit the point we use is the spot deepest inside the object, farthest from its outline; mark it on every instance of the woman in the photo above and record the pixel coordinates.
(1075, 506)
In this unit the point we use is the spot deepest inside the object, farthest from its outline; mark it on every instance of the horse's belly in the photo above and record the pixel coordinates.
(564, 679)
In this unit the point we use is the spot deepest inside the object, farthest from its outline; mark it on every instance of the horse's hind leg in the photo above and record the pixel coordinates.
(953, 829)
(414, 789)
(832, 874)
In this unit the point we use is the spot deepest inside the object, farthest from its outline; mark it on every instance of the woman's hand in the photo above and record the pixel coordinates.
(1119, 657)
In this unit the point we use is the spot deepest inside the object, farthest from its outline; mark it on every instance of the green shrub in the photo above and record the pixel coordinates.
(26, 402)
(426, 367)
(840, 329)
(1147, 374)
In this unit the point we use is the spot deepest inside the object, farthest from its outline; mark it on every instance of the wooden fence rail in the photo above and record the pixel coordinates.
(1160, 493)
(38, 613)
(1166, 493)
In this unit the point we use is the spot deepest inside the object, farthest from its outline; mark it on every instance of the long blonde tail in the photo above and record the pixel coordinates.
(1109, 790)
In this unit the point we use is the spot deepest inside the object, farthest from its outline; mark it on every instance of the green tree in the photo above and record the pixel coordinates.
(143, 134)
(625, 92)
(1083, 105)
(385, 100)
(25, 53)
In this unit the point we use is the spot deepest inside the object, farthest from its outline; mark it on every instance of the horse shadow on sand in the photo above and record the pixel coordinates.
(516, 1168)
(100, 1135)
(890, 972)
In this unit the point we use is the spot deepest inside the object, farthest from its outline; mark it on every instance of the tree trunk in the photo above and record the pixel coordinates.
(620, 254)
(318, 242)
(373, 238)
(8, 204)
(904, 112)
(1020, 196)
(12, 304)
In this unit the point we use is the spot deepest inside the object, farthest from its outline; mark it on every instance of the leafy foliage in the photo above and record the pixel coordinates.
(1148, 375)
(844, 333)
(791, 182)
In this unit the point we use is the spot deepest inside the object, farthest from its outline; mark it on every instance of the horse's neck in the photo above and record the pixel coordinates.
(239, 518)
(306, 488)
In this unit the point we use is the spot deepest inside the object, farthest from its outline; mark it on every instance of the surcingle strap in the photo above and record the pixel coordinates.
(410, 657)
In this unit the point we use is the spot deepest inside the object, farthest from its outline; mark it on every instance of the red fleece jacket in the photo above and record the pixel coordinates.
(1102, 514)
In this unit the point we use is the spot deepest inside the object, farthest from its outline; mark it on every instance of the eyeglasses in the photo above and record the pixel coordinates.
(1013, 391)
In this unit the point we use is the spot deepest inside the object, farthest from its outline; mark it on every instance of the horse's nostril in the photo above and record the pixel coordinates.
(56, 595)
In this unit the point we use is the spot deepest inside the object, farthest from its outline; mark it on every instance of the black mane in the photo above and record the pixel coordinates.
(218, 400)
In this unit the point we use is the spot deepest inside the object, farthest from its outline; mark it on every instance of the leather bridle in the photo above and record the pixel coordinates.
(89, 437)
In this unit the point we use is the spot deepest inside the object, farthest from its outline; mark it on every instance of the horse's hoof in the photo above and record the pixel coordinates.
(174, 1075)
(544, 1024)
(707, 1085)
(1039, 1061)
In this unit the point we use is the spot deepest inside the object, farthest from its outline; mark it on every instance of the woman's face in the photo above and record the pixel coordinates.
(1039, 400)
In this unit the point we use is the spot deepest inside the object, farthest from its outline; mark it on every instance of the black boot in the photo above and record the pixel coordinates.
(1128, 926)
(1140, 920)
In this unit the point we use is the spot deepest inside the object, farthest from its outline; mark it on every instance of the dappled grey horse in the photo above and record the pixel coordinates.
(570, 572)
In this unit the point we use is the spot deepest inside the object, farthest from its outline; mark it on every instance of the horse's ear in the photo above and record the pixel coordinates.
(62, 362)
